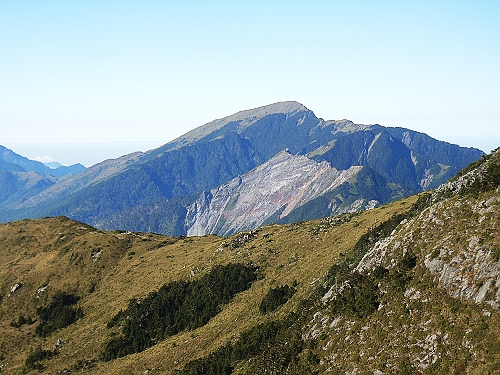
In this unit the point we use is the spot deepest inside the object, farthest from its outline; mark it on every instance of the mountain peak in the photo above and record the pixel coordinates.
(289, 107)
(243, 118)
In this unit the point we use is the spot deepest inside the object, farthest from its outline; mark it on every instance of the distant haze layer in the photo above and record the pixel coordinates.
(86, 152)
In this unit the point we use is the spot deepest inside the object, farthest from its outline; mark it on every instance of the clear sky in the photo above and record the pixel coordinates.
(84, 81)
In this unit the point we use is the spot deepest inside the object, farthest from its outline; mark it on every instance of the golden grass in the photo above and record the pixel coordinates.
(58, 252)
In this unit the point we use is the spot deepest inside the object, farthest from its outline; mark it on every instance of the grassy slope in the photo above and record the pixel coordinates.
(58, 252)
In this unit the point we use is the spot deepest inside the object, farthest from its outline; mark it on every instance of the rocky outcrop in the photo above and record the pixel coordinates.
(468, 267)
(455, 238)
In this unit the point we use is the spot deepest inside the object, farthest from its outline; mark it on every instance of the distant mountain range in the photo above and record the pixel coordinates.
(53, 165)
(10, 161)
(274, 164)
(21, 177)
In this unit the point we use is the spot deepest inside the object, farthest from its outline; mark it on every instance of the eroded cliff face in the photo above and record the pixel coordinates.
(457, 241)
(278, 186)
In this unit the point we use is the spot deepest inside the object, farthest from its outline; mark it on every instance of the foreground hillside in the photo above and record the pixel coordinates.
(409, 287)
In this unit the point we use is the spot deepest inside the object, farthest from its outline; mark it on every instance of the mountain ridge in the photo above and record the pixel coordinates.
(111, 193)
(244, 118)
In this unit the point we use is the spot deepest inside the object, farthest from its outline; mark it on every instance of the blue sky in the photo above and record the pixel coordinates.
(84, 81)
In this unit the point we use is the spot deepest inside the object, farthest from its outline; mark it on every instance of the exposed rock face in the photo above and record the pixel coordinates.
(467, 268)
(16, 287)
(283, 183)
(456, 237)
(452, 240)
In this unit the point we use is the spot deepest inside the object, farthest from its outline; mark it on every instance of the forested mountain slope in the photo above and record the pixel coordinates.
(155, 191)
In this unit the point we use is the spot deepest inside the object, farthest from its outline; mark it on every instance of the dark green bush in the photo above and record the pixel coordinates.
(379, 272)
(276, 297)
(495, 253)
(359, 297)
(407, 262)
(256, 343)
(435, 253)
(33, 362)
(22, 321)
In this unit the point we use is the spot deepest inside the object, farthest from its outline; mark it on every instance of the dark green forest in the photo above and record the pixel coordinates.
(175, 307)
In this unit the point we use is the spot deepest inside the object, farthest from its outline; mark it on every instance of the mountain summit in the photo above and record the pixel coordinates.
(239, 121)
(160, 190)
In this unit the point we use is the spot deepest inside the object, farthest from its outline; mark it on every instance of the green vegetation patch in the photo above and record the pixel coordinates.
(175, 307)
(495, 253)
(359, 297)
(60, 313)
(275, 298)
(35, 359)
(21, 321)
(274, 347)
